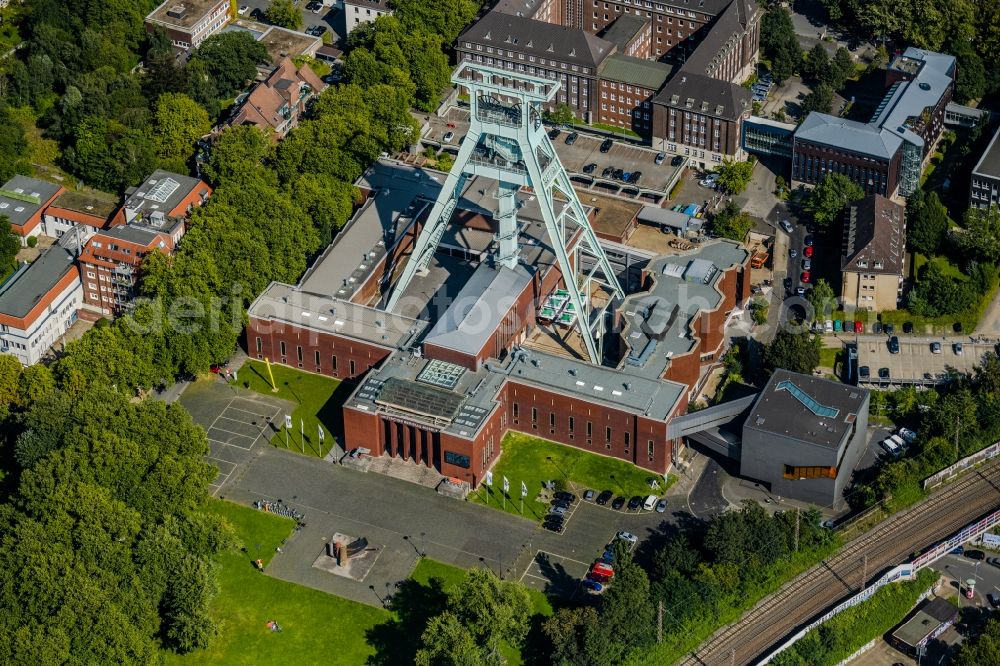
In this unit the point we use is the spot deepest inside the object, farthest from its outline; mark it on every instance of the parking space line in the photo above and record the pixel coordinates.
(245, 411)
(237, 421)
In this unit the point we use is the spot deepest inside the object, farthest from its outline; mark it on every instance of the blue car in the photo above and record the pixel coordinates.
(957, 550)
(592, 586)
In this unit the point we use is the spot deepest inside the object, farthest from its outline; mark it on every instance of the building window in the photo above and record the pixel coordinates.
(607, 434)
(628, 439)
(456, 459)
(352, 367)
(515, 412)
(810, 472)
(552, 420)
(333, 362)
(649, 449)
(571, 424)
(318, 362)
(298, 353)
(590, 429)
(282, 343)
(260, 345)
(534, 416)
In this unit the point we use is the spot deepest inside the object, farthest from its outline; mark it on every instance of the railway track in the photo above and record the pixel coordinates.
(890, 543)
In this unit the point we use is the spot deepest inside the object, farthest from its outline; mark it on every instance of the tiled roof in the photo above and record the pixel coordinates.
(537, 38)
(873, 237)
(705, 95)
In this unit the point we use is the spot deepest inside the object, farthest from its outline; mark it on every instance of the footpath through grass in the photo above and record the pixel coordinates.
(534, 460)
(313, 623)
(319, 401)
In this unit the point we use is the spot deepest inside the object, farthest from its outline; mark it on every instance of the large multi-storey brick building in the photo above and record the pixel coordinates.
(629, 62)
(189, 22)
(885, 155)
(458, 363)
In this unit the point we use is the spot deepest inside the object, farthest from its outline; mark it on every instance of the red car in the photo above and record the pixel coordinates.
(859, 327)
(805, 276)
(602, 569)
(807, 251)
(598, 577)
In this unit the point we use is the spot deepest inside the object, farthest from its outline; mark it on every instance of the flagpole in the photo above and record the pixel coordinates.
(302, 434)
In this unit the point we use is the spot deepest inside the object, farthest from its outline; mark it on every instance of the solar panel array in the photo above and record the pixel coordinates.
(807, 401)
(162, 190)
(441, 373)
(471, 416)
(370, 389)
(418, 398)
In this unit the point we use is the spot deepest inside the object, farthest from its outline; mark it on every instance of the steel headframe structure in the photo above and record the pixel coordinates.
(507, 143)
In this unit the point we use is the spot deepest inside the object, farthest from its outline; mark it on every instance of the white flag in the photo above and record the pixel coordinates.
(235, 376)
(506, 485)
(288, 421)
(489, 479)
(524, 490)
(322, 435)
(302, 426)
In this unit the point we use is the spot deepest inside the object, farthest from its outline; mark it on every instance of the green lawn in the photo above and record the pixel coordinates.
(450, 575)
(534, 460)
(313, 623)
(829, 356)
(319, 402)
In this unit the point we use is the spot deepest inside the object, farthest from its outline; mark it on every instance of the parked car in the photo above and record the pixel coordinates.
(588, 496)
(448, 137)
(859, 327)
(993, 599)
(608, 170)
(618, 503)
(975, 555)
(625, 176)
(888, 328)
(592, 586)
(564, 496)
(993, 561)
(604, 497)
(808, 240)
(908, 435)
(807, 251)
(807, 264)
(603, 569)
(893, 345)
(634, 178)
(828, 326)
(553, 527)
(661, 506)
(890, 447)
(626, 536)
(243, 10)
(634, 503)
(877, 327)
(650, 503)
(792, 253)
(617, 174)
(590, 168)
(907, 327)
(786, 225)
(805, 276)
(957, 348)
(558, 510)
(560, 504)
(838, 326)
(598, 577)
(677, 161)
(608, 557)
(957, 550)
(935, 347)
(800, 290)
(660, 158)
(554, 133)
(606, 145)
(571, 139)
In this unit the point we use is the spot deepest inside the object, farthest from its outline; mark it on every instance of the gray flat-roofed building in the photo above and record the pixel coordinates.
(656, 216)
(23, 200)
(929, 622)
(984, 188)
(804, 437)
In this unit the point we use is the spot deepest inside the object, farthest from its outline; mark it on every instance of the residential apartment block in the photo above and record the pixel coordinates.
(872, 254)
(358, 12)
(23, 201)
(153, 219)
(189, 22)
(279, 101)
(984, 189)
(38, 304)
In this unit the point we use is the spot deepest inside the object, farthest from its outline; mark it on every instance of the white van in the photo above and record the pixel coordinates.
(890, 447)
(650, 503)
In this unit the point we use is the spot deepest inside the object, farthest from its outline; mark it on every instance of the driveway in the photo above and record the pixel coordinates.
(331, 17)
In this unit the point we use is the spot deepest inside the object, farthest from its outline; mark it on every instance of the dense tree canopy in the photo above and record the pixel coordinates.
(731, 222)
(284, 13)
(926, 222)
(734, 177)
(827, 200)
(797, 352)
(779, 43)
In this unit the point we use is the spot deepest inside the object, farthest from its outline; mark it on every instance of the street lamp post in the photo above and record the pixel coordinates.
(423, 544)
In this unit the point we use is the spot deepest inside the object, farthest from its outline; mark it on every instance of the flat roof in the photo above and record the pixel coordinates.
(192, 12)
(925, 90)
(472, 318)
(21, 197)
(650, 74)
(161, 191)
(283, 43)
(657, 322)
(87, 203)
(928, 618)
(989, 163)
(284, 302)
(23, 290)
(811, 409)
(139, 234)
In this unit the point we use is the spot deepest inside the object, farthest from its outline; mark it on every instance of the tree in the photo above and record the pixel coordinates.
(734, 176)
(779, 43)
(927, 222)
(981, 236)
(828, 199)
(982, 649)
(444, 19)
(840, 69)
(561, 115)
(230, 59)
(284, 13)
(816, 63)
(819, 100)
(796, 352)
(448, 642)
(9, 246)
(566, 631)
(822, 299)
(179, 123)
(732, 223)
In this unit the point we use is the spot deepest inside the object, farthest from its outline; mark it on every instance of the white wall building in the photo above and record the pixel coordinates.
(357, 12)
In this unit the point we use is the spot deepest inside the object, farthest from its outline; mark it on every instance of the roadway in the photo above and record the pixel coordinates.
(890, 543)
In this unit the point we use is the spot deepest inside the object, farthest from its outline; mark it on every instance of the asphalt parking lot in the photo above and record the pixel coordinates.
(236, 422)
(915, 363)
(331, 17)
